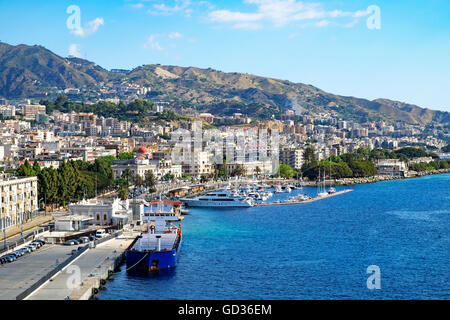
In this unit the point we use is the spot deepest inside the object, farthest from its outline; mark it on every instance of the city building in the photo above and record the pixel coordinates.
(392, 167)
(30, 111)
(18, 200)
(103, 212)
(293, 157)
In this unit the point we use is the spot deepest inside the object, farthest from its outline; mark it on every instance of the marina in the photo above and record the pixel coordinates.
(316, 251)
(146, 250)
(311, 200)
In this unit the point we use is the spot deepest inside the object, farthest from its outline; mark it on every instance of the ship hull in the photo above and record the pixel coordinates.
(154, 261)
(215, 204)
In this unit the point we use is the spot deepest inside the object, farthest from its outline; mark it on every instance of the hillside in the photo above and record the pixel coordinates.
(26, 70)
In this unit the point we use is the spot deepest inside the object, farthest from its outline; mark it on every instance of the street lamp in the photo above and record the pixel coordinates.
(21, 225)
(4, 233)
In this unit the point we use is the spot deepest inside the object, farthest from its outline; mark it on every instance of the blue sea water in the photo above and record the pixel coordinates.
(319, 250)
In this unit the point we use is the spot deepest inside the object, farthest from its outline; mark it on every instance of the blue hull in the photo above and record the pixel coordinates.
(141, 261)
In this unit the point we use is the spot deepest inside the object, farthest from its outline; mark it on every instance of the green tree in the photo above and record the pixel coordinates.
(139, 181)
(286, 171)
(124, 193)
(149, 179)
(239, 171)
(125, 156)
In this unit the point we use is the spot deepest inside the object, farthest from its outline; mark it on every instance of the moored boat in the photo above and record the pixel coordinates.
(157, 248)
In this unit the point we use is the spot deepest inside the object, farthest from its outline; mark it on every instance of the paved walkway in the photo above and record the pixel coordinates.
(19, 275)
(93, 265)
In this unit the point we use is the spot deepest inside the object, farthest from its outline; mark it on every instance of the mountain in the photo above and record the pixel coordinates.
(26, 70)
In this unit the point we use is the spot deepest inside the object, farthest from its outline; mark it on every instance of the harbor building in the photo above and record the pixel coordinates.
(392, 167)
(72, 223)
(103, 212)
(18, 200)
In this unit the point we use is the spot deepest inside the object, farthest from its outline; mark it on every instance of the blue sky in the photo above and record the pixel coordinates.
(324, 43)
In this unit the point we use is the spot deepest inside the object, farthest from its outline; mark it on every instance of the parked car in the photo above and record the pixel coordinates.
(100, 233)
(14, 254)
(23, 250)
(42, 242)
(4, 260)
(18, 253)
(70, 243)
(32, 246)
(10, 257)
(83, 240)
(36, 244)
(26, 249)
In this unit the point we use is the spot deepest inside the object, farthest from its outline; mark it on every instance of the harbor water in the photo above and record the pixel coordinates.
(319, 250)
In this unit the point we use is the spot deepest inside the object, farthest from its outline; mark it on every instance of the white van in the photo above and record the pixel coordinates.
(100, 233)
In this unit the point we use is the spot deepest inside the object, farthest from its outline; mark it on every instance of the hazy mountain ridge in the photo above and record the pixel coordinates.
(26, 70)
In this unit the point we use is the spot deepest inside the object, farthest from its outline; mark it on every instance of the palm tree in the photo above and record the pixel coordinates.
(257, 171)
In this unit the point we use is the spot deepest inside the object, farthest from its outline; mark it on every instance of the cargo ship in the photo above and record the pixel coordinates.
(157, 248)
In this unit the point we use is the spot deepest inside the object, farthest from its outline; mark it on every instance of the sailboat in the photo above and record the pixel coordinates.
(331, 190)
(321, 192)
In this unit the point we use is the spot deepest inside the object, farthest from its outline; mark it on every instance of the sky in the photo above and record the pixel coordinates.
(372, 49)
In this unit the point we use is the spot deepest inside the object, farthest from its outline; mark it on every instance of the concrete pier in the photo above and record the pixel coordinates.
(306, 201)
(84, 276)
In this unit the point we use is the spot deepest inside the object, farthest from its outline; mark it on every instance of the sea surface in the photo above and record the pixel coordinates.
(319, 250)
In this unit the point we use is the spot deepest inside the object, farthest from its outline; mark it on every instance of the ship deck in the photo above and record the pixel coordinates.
(148, 241)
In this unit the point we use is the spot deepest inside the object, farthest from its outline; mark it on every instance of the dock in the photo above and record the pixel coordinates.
(306, 201)
(84, 277)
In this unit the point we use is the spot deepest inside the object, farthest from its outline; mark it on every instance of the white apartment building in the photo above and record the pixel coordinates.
(159, 168)
(292, 157)
(7, 111)
(30, 111)
(18, 200)
(198, 165)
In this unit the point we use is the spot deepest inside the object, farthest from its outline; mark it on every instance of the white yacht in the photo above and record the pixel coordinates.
(218, 199)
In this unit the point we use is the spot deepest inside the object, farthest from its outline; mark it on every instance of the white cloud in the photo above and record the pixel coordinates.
(90, 28)
(74, 50)
(137, 6)
(175, 35)
(152, 43)
(280, 13)
(323, 23)
(167, 10)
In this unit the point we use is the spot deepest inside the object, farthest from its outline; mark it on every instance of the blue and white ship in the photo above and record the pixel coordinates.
(158, 247)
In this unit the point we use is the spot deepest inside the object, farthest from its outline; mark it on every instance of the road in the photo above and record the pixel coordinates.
(19, 275)
(91, 264)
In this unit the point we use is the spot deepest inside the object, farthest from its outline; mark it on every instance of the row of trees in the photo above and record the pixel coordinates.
(72, 181)
(434, 165)
(128, 179)
(131, 111)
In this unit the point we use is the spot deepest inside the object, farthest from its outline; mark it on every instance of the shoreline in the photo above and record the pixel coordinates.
(375, 179)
